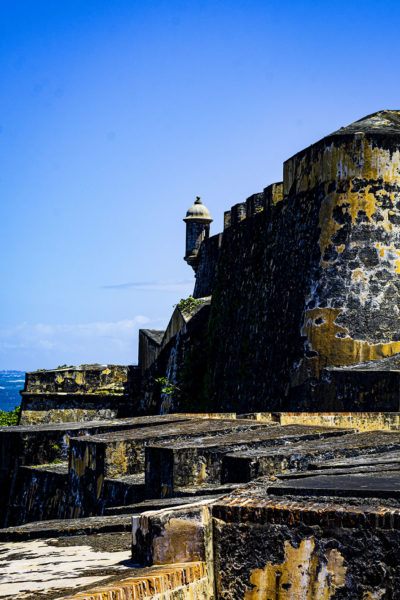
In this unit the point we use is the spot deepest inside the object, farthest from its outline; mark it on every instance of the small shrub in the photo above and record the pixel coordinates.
(9, 417)
(187, 305)
(166, 386)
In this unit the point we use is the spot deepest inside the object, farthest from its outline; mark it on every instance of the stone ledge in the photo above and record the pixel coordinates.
(66, 527)
(292, 513)
(157, 583)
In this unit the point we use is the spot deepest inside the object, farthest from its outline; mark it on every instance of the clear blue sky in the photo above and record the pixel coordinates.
(115, 114)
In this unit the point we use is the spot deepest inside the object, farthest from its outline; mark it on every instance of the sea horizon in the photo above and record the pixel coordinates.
(11, 383)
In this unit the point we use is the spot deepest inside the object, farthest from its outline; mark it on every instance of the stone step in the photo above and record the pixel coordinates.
(157, 504)
(243, 466)
(196, 462)
(363, 461)
(49, 442)
(123, 490)
(66, 527)
(40, 493)
(123, 453)
(355, 485)
(362, 421)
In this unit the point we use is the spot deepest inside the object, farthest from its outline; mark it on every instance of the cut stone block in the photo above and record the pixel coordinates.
(266, 547)
(243, 466)
(40, 493)
(180, 534)
(123, 453)
(44, 444)
(196, 462)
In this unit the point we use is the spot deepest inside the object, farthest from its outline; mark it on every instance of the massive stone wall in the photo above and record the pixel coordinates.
(307, 278)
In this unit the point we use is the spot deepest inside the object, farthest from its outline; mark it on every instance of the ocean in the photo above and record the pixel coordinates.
(11, 382)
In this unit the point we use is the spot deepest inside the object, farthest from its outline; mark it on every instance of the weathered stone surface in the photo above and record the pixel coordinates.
(159, 504)
(150, 341)
(39, 493)
(173, 535)
(44, 444)
(362, 421)
(123, 453)
(309, 277)
(383, 484)
(171, 583)
(66, 527)
(47, 569)
(83, 393)
(196, 462)
(294, 549)
(179, 361)
(249, 464)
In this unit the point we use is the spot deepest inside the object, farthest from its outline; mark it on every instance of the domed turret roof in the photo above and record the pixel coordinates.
(198, 212)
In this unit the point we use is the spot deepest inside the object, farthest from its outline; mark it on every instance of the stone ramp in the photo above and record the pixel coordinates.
(154, 504)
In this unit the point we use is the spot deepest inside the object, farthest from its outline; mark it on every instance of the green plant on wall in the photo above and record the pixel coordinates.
(187, 305)
(166, 386)
(9, 417)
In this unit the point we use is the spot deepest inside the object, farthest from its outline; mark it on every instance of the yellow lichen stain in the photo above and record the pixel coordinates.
(340, 248)
(357, 201)
(339, 162)
(358, 275)
(99, 486)
(165, 490)
(375, 595)
(117, 459)
(338, 351)
(344, 162)
(303, 575)
(277, 192)
(79, 377)
(361, 421)
(201, 474)
(397, 269)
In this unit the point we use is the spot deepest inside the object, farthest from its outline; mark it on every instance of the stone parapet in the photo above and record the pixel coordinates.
(84, 393)
(362, 421)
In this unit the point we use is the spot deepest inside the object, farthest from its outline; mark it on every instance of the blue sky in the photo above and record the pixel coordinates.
(116, 114)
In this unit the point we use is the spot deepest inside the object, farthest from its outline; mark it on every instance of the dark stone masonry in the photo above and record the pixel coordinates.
(254, 451)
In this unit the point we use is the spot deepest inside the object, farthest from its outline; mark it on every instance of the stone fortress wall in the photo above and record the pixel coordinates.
(270, 466)
(305, 282)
